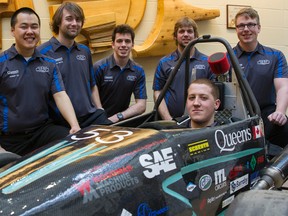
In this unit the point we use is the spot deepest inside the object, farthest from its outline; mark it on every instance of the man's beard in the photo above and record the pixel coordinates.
(71, 36)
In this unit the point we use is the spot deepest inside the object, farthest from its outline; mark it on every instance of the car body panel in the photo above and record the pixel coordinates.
(105, 170)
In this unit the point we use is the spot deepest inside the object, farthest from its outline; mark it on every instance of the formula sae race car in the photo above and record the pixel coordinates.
(146, 166)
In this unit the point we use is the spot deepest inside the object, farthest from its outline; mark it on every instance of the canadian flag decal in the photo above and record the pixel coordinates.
(257, 132)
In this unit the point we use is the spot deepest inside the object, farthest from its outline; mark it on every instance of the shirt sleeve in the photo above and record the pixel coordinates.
(160, 77)
(140, 89)
(57, 82)
(91, 71)
(281, 69)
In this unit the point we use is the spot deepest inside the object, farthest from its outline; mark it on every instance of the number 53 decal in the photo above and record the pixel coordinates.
(113, 137)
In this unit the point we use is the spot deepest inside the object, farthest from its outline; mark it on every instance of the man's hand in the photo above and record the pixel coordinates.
(74, 129)
(114, 118)
(277, 118)
(2, 150)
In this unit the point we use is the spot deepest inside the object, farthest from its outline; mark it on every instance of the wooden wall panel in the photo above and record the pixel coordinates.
(9, 7)
(161, 41)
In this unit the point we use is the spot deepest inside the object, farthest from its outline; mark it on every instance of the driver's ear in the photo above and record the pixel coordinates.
(217, 104)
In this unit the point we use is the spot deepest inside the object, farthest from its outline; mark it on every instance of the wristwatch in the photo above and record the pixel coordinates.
(120, 116)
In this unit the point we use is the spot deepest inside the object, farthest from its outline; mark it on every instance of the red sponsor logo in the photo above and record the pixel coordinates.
(260, 159)
(236, 171)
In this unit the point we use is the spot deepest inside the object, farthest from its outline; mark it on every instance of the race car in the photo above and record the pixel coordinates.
(144, 165)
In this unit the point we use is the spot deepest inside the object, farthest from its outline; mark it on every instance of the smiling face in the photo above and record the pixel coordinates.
(122, 45)
(26, 33)
(184, 36)
(201, 105)
(70, 25)
(248, 35)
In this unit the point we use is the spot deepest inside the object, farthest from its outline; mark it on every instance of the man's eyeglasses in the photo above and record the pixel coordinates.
(250, 26)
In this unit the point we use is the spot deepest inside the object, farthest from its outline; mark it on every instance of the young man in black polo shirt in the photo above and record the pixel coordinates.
(266, 71)
(185, 30)
(27, 79)
(75, 64)
(117, 77)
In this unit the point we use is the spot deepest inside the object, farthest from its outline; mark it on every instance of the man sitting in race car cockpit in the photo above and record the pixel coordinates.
(202, 102)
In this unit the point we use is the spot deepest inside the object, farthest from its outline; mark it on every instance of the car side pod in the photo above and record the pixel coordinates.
(260, 200)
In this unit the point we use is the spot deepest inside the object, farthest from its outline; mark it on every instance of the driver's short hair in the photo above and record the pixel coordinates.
(209, 83)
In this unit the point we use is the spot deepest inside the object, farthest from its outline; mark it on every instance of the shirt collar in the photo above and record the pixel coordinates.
(196, 55)
(56, 44)
(13, 53)
(113, 64)
(239, 51)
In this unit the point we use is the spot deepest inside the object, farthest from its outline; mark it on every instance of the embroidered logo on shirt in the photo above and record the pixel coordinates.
(263, 62)
(14, 73)
(81, 57)
(42, 69)
(59, 60)
(131, 78)
(200, 67)
(108, 78)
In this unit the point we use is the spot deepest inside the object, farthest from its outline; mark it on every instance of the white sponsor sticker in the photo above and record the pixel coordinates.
(227, 201)
(159, 161)
(239, 183)
(125, 213)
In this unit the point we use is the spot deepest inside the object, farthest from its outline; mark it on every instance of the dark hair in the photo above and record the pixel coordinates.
(25, 10)
(212, 85)
(123, 29)
(73, 8)
(186, 22)
(248, 13)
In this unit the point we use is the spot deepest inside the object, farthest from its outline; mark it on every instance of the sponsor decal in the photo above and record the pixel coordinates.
(125, 213)
(253, 163)
(220, 179)
(254, 177)
(145, 210)
(42, 69)
(260, 159)
(227, 201)
(239, 183)
(81, 57)
(191, 187)
(199, 67)
(214, 198)
(228, 141)
(160, 161)
(198, 147)
(108, 186)
(131, 78)
(257, 132)
(205, 182)
(263, 62)
(236, 171)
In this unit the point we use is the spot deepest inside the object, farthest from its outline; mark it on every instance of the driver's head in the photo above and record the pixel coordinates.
(202, 101)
